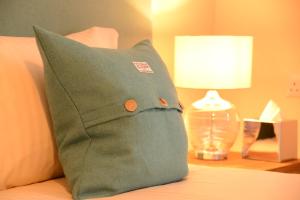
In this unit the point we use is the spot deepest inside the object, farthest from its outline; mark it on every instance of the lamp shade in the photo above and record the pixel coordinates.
(213, 62)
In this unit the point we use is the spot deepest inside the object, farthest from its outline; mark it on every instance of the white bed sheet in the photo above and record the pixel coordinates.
(202, 183)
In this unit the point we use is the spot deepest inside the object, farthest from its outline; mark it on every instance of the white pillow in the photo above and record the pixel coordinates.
(27, 148)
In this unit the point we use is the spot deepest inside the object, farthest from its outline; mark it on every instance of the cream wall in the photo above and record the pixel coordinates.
(189, 17)
(275, 25)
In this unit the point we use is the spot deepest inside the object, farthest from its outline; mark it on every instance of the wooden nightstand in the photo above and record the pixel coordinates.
(235, 160)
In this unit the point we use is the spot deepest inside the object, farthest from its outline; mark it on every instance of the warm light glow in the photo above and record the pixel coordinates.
(141, 7)
(159, 6)
(212, 102)
(213, 62)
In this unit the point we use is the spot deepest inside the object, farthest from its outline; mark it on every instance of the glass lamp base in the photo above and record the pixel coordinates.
(210, 155)
(213, 125)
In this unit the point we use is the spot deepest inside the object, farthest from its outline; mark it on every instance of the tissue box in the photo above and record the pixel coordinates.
(270, 141)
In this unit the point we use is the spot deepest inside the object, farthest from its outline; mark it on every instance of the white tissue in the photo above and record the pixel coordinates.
(271, 113)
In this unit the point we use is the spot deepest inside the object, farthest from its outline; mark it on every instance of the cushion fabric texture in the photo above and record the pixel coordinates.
(116, 116)
(27, 150)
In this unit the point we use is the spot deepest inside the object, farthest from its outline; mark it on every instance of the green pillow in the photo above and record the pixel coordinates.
(116, 116)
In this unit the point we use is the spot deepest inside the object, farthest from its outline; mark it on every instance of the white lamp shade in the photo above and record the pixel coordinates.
(213, 62)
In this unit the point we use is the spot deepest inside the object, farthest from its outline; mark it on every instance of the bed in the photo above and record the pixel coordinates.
(202, 183)
(130, 18)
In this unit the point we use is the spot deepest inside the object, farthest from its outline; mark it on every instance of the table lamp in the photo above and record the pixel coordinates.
(212, 62)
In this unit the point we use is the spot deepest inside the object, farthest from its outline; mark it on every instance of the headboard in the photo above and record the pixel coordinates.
(67, 16)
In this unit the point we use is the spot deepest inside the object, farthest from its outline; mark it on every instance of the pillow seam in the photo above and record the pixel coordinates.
(67, 92)
(69, 96)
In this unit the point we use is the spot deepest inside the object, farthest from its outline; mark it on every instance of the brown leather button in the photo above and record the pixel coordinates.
(130, 105)
(163, 102)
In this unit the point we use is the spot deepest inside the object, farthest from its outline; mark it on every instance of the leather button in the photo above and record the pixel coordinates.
(130, 105)
(163, 102)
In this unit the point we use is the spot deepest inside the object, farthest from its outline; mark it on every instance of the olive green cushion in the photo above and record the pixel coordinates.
(108, 146)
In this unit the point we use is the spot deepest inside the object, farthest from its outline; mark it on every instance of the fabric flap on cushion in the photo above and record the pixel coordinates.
(118, 110)
(96, 94)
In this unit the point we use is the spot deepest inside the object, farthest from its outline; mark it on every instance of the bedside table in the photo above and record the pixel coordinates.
(235, 160)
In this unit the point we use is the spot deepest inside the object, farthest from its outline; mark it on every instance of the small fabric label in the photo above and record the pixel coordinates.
(143, 67)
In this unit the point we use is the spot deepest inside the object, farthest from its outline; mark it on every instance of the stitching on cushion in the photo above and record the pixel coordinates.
(67, 93)
(98, 121)
(117, 110)
(61, 84)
